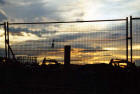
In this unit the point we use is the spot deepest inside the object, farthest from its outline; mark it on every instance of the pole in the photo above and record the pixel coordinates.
(127, 38)
(67, 55)
(8, 40)
(131, 39)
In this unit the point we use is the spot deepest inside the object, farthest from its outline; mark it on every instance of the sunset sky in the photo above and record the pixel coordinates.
(91, 42)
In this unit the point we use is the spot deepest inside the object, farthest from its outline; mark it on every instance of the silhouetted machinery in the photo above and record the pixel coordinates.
(49, 61)
(2, 60)
(122, 64)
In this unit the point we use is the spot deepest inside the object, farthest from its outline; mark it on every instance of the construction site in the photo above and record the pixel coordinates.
(71, 57)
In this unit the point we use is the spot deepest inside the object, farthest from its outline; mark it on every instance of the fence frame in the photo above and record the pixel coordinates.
(8, 49)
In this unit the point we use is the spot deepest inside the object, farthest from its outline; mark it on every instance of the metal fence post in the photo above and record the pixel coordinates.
(131, 51)
(8, 40)
(127, 38)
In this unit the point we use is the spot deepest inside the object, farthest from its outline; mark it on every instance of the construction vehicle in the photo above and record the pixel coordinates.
(50, 61)
(122, 64)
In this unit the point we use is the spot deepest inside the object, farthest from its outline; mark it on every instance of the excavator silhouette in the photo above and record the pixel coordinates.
(122, 64)
(50, 61)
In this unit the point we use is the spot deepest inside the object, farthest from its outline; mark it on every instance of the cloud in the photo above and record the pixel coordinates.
(3, 15)
(62, 10)
(60, 40)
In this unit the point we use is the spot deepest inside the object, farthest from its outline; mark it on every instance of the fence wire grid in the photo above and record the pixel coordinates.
(2, 41)
(136, 39)
(91, 42)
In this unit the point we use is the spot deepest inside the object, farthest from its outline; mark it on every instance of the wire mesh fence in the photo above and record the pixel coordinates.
(136, 38)
(91, 42)
(2, 40)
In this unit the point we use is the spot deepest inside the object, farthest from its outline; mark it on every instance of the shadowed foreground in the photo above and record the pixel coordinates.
(54, 79)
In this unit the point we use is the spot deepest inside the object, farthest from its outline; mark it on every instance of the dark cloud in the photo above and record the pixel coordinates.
(28, 11)
(85, 47)
(81, 36)
(2, 2)
(116, 36)
(39, 33)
